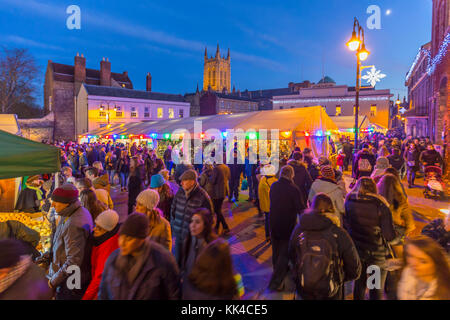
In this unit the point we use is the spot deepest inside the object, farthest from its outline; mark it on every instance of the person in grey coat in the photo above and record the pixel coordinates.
(219, 191)
(140, 269)
(189, 198)
(70, 243)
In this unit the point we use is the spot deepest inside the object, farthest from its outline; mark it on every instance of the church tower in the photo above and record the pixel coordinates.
(217, 72)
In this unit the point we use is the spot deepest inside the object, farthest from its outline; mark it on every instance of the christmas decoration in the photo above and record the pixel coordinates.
(373, 76)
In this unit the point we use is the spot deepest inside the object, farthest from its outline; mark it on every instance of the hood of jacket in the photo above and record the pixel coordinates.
(325, 185)
(367, 197)
(317, 221)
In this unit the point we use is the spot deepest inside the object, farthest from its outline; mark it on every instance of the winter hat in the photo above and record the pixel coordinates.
(189, 175)
(136, 226)
(33, 178)
(327, 172)
(107, 220)
(323, 161)
(268, 170)
(67, 193)
(382, 163)
(149, 198)
(10, 252)
(157, 181)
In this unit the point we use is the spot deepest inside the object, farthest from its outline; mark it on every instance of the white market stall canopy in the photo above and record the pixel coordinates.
(345, 123)
(301, 121)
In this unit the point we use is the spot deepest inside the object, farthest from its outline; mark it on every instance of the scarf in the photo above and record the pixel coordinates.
(130, 266)
(38, 190)
(15, 273)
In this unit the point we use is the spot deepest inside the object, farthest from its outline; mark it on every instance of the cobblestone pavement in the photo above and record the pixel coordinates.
(252, 253)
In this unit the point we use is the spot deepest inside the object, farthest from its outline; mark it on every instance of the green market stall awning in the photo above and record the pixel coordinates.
(22, 157)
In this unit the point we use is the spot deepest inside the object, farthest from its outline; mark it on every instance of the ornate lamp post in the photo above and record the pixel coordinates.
(356, 43)
(107, 112)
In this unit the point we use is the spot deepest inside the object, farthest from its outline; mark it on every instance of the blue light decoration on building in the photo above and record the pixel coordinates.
(432, 63)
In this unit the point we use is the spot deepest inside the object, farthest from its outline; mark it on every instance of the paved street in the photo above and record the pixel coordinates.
(252, 254)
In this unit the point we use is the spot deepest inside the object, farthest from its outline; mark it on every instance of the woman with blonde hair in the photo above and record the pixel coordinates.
(426, 275)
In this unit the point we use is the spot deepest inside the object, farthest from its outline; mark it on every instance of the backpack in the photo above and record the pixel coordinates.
(364, 165)
(317, 265)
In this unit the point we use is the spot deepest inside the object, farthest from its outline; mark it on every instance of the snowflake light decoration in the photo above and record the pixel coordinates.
(373, 76)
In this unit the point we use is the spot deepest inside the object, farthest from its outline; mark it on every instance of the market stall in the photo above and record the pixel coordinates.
(305, 127)
(19, 158)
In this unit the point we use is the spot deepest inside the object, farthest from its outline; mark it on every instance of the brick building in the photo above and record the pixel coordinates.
(223, 103)
(62, 83)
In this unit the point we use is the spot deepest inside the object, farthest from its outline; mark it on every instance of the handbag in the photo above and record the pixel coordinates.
(244, 185)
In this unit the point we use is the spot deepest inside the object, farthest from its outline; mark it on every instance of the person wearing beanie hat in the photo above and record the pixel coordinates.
(69, 242)
(157, 181)
(105, 241)
(187, 199)
(140, 269)
(381, 165)
(326, 183)
(160, 232)
(20, 278)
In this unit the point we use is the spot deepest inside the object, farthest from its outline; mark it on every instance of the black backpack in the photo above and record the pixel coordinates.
(318, 270)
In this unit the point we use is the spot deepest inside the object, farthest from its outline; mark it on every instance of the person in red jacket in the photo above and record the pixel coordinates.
(105, 241)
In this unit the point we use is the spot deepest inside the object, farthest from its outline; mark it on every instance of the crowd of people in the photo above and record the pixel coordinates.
(172, 242)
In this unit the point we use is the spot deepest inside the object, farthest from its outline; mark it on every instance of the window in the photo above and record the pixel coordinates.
(281, 107)
(171, 113)
(118, 108)
(102, 114)
(292, 107)
(181, 113)
(146, 115)
(146, 109)
(102, 125)
(338, 110)
(133, 114)
(160, 112)
(373, 110)
(119, 114)
(133, 109)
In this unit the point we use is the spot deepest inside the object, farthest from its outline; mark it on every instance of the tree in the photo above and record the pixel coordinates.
(18, 72)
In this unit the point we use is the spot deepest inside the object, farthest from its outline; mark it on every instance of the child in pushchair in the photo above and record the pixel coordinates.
(434, 187)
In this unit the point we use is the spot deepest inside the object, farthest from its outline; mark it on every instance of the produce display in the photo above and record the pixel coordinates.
(35, 221)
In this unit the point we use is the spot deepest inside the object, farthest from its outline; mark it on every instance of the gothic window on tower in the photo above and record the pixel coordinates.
(160, 113)
(171, 113)
(373, 110)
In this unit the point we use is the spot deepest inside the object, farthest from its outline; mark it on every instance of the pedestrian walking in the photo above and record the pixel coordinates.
(267, 179)
(219, 183)
(189, 198)
(412, 163)
(319, 227)
(70, 243)
(140, 269)
(368, 220)
(105, 240)
(159, 228)
(302, 178)
(285, 205)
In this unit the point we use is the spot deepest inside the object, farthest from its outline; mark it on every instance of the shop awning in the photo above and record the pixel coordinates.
(22, 157)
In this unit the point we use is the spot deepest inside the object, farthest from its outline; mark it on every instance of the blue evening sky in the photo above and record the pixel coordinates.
(271, 42)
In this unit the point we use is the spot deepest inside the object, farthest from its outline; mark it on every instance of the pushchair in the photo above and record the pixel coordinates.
(434, 187)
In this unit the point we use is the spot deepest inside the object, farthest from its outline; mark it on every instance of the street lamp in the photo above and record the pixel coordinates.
(356, 43)
(107, 113)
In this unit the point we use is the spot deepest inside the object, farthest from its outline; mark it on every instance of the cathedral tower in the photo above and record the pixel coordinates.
(217, 72)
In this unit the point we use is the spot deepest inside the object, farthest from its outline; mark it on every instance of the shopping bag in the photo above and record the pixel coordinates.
(244, 185)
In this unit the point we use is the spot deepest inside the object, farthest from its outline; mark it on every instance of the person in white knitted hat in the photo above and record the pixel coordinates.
(105, 240)
(160, 232)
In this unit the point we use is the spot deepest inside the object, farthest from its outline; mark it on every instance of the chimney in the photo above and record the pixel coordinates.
(79, 72)
(105, 73)
(149, 82)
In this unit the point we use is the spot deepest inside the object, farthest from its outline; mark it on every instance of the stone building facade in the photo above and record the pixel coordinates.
(222, 103)
(217, 72)
(62, 83)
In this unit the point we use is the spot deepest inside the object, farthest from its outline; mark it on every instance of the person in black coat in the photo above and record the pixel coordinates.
(313, 169)
(412, 163)
(321, 219)
(236, 169)
(285, 205)
(368, 220)
(302, 178)
(135, 184)
(396, 160)
(360, 158)
(430, 157)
